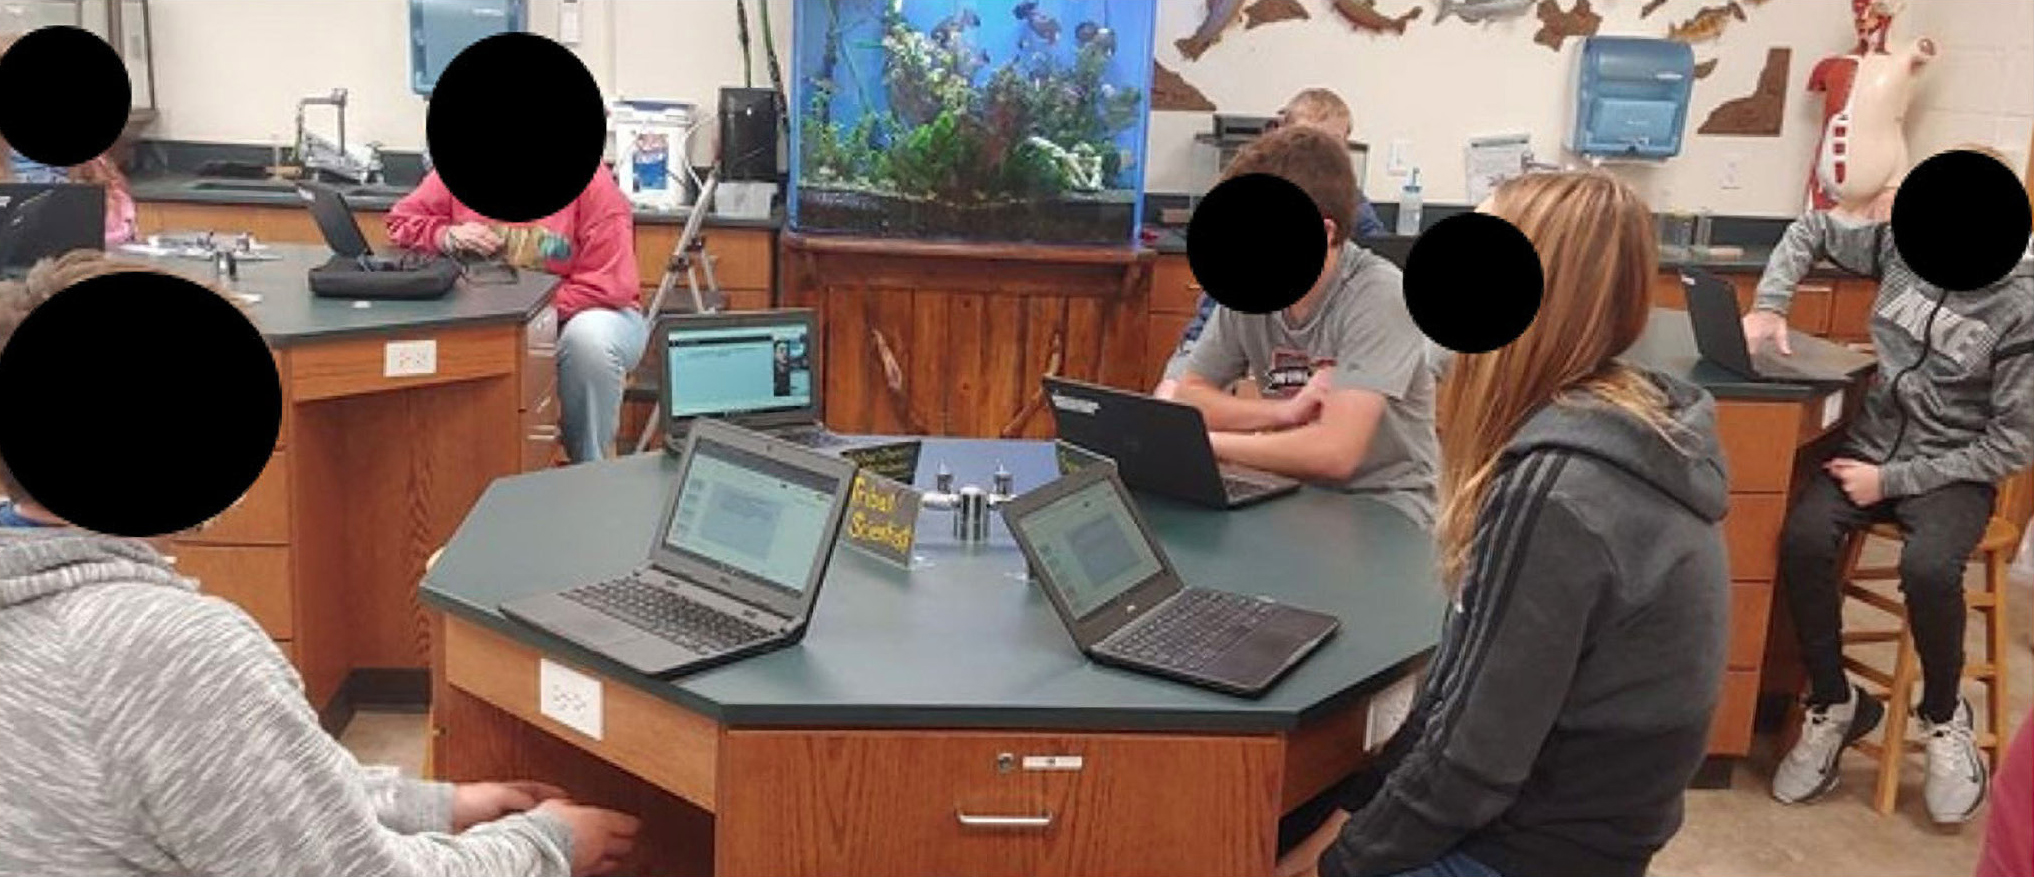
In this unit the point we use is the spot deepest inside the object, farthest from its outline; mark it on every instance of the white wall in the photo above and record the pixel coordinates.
(232, 70)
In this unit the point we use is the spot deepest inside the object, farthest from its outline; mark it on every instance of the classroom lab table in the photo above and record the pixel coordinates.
(371, 472)
(1772, 435)
(927, 696)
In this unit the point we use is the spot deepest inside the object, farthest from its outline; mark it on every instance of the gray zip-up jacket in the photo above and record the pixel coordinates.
(146, 729)
(1969, 409)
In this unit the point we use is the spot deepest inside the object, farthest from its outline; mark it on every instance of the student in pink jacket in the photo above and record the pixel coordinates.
(2009, 838)
(590, 245)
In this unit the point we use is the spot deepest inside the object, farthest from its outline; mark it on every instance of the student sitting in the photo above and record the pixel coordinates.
(150, 729)
(591, 246)
(1945, 421)
(1349, 391)
(1316, 108)
(1569, 702)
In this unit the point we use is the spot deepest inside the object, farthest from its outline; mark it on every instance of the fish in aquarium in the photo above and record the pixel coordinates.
(1088, 33)
(1037, 21)
(951, 29)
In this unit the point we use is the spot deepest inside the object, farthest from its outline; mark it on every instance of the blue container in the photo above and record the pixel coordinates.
(1631, 97)
(982, 121)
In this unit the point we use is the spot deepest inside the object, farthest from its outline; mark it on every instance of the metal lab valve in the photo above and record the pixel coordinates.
(971, 505)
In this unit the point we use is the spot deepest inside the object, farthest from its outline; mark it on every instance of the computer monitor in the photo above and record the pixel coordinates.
(756, 368)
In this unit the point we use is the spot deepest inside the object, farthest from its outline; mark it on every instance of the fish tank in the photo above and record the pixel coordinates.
(952, 120)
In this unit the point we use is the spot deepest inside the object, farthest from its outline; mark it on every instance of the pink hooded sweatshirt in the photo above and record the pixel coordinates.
(2009, 837)
(600, 271)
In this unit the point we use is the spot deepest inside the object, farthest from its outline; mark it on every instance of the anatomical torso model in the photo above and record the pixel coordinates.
(1863, 152)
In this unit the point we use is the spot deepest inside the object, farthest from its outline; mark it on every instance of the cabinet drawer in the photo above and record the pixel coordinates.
(1850, 310)
(1809, 311)
(747, 299)
(541, 332)
(261, 517)
(906, 804)
(741, 257)
(1759, 442)
(1668, 292)
(1751, 605)
(257, 579)
(1173, 289)
(1752, 533)
(1730, 730)
(540, 377)
(357, 366)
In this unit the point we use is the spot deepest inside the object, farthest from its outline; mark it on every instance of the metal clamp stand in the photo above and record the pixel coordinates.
(970, 504)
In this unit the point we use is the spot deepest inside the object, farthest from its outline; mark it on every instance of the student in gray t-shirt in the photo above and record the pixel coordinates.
(1347, 378)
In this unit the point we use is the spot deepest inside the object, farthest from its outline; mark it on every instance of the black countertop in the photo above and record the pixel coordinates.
(288, 314)
(1668, 346)
(964, 640)
(173, 187)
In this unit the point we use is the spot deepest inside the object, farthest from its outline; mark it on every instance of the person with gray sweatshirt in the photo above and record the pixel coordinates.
(148, 729)
(1950, 414)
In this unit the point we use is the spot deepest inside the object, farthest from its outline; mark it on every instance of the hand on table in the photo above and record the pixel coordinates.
(601, 838)
(1304, 860)
(1859, 480)
(470, 237)
(475, 803)
(1763, 326)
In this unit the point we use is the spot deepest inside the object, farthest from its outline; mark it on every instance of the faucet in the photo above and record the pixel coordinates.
(315, 153)
(336, 99)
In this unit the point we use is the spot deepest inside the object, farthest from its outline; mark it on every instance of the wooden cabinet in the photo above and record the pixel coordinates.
(952, 339)
(538, 377)
(1175, 299)
(852, 802)
(269, 223)
(743, 263)
(1838, 309)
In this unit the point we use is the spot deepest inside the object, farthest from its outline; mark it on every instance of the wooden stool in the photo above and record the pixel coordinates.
(1896, 687)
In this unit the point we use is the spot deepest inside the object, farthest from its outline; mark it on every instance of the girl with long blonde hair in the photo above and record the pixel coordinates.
(1579, 534)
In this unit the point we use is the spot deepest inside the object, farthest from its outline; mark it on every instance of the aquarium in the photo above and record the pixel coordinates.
(1014, 121)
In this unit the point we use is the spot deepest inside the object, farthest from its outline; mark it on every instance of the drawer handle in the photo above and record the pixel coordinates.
(1193, 287)
(1814, 287)
(1010, 822)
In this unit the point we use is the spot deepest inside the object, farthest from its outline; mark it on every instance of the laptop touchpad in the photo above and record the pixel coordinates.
(596, 629)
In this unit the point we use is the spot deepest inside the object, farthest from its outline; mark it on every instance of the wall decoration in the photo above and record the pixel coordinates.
(1556, 26)
(1364, 15)
(1651, 7)
(1272, 12)
(1171, 91)
(1708, 23)
(1705, 68)
(1221, 13)
(1760, 113)
(1478, 11)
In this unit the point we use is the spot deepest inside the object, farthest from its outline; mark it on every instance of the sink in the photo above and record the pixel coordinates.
(243, 186)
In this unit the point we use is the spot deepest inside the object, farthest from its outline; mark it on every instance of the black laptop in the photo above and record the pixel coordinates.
(759, 369)
(45, 220)
(1159, 446)
(1718, 322)
(736, 568)
(341, 230)
(1112, 585)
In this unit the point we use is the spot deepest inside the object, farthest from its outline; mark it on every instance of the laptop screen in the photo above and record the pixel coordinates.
(746, 513)
(1091, 548)
(730, 371)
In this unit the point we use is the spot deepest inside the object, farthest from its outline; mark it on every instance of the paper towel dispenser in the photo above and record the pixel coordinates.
(441, 29)
(1631, 97)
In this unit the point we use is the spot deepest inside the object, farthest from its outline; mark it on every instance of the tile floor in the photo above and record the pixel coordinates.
(1736, 832)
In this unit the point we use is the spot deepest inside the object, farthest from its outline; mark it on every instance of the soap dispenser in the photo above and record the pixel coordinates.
(1409, 206)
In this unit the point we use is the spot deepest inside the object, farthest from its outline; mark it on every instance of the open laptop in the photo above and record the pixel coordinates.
(1112, 585)
(737, 565)
(341, 231)
(1719, 336)
(1159, 446)
(759, 369)
(46, 220)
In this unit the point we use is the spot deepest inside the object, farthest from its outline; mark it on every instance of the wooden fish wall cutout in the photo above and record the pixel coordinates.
(1760, 113)
(1272, 12)
(1364, 15)
(1707, 24)
(1557, 26)
(1171, 91)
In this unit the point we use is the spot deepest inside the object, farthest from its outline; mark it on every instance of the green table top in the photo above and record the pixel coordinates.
(289, 314)
(963, 639)
(1668, 346)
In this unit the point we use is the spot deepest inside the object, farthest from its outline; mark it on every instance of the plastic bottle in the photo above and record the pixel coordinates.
(1409, 206)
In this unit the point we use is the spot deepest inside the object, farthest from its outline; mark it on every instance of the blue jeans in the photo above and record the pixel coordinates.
(1452, 865)
(596, 350)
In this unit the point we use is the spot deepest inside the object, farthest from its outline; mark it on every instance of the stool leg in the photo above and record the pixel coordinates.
(1899, 701)
(1995, 635)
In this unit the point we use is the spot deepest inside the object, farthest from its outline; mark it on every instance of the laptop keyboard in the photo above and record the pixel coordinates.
(1192, 629)
(813, 438)
(672, 617)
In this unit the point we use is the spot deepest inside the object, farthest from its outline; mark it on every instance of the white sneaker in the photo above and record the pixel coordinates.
(1957, 778)
(1809, 770)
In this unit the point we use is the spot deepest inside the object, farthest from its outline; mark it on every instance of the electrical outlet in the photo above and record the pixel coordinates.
(405, 359)
(1388, 710)
(569, 697)
(1398, 162)
(1730, 171)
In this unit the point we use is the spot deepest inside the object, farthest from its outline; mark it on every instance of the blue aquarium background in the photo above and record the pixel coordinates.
(991, 121)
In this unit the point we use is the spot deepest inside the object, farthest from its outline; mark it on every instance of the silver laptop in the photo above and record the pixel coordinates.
(758, 369)
(736, 569)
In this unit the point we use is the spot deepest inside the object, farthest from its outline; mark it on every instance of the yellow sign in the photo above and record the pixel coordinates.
(882, 516)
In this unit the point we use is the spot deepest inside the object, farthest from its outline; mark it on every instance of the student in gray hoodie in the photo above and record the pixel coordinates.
(1950, 414)
(147, 729)
(1580, 532)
